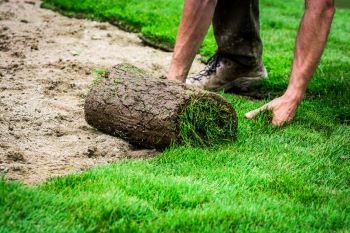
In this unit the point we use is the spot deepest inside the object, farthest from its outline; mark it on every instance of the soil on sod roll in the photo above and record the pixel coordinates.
(154, 113)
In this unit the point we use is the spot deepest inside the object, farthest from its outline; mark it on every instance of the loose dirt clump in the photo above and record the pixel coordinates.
(47, 63)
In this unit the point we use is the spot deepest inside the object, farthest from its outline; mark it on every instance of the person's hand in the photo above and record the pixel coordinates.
(283, 110)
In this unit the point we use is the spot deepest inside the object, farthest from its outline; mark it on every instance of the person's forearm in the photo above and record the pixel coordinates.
(310, 42)
(196, 19)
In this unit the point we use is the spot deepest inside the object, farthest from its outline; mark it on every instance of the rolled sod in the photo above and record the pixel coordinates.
(154, 113)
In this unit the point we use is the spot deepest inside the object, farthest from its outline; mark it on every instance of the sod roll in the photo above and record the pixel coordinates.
(154, 113)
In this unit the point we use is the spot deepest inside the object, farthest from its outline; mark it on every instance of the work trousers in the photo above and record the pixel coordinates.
(237, 31)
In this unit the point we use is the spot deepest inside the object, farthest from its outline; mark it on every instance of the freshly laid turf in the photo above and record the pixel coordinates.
(290, 179)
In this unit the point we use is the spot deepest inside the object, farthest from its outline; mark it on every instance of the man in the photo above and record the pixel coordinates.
(237, 62)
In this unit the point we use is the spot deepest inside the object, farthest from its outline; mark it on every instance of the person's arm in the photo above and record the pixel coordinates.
(196, 19)
(310, 43)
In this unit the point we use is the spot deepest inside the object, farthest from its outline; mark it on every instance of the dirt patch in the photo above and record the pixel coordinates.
(47, 63)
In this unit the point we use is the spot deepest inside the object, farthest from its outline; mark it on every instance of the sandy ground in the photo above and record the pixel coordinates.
(47, 63)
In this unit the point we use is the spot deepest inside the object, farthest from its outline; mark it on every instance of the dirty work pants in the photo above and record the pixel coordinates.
(237, 31)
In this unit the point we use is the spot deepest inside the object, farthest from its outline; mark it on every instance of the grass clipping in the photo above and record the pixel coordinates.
(205, 122)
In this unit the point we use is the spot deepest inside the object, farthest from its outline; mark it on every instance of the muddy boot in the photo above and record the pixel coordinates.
(237, 62)
(223, 74)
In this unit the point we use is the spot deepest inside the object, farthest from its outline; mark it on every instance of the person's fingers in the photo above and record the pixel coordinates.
(252, 114)
(255, 112)
(282, 120)
(277, 122)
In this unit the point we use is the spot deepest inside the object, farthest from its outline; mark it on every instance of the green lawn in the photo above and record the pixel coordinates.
(295, 178)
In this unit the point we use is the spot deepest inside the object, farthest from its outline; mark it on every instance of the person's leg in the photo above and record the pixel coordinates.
(237, 30)
(237, 63)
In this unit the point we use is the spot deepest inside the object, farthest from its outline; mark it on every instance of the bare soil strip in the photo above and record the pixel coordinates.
(47, 64)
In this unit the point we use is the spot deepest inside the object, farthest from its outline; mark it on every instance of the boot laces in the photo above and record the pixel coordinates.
(212, 64)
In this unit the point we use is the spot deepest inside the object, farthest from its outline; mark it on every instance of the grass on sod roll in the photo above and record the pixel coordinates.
(206, 122)
(290, 179)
